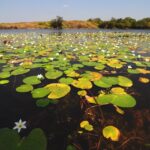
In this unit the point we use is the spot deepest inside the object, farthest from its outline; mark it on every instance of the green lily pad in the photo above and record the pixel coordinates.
(121, 100)
(124, 81)
(33, 80)
(42, 102)
(24, 88)
(133, 71)
(4, 81)
(82, 83)
(57, 90)
(19, 71)
(66, 80)
(10, 140)
(4, 74)
(40, 92)
(106, 82)
(53, 74)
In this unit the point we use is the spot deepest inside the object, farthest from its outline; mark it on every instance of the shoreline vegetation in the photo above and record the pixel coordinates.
(96, 23)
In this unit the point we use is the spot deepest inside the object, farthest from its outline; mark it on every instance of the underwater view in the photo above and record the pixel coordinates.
(75, 90)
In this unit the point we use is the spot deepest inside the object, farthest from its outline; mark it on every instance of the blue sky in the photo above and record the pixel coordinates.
(43, 10)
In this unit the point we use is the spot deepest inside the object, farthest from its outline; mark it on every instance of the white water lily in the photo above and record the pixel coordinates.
(20, 125)
(51, 58)
(40, 76)
(129, 67)
(147, 60)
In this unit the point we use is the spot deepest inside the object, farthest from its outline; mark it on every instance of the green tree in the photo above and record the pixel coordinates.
(57, 23)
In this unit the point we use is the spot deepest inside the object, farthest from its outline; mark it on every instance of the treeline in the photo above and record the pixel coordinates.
(122, 23)
(60, 23)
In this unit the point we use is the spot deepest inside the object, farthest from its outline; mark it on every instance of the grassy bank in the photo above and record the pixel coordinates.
(46, 25)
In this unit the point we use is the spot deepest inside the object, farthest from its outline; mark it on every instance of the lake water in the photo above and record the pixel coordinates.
(84, 55)
(43, 31)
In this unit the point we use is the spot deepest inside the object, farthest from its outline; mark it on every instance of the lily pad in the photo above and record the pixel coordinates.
(106, 82)
(24, 88)
(33, 80)
(4, 81)
(57, 90)
(66, 80)
(124, 81)
(82, 83)
(121, 100)
(10, 140)
(42, 102)
(111, 132)
(53, 74)
(4, 74)
(19, 71)
(40, 92)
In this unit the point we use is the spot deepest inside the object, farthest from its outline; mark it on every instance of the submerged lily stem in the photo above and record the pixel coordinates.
(99, 108)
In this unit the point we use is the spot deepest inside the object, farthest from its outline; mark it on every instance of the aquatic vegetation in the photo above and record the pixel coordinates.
(111, 132)
(10, 139)
(20, 125)
(99, 75)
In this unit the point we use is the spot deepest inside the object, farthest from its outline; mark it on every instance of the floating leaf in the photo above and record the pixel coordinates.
(24, 88)
(57, 90)
(40, 92)
(53, 74)
(111, 132)
(10, 140)
(86, 125)
(106, 82)
(144, 80)
(42, 102)
(90, 99)
(19, 71)
(124, 81)
(66, 80)
(4, 81)
(33, 80)
(121, 100)
(82, 93)
(92, 76)
(118, 90)
(4, 74)
(143, 71)
(82, 83)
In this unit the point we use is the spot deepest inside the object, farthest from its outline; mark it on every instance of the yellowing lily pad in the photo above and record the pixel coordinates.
(86, 125)
(111, 132)
(57, 90)
(118, 90)
(82, 83)
(24, 88)
(82, 93)
(144, 80)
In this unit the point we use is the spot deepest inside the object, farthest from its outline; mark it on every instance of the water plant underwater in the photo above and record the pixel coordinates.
(99, 67)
